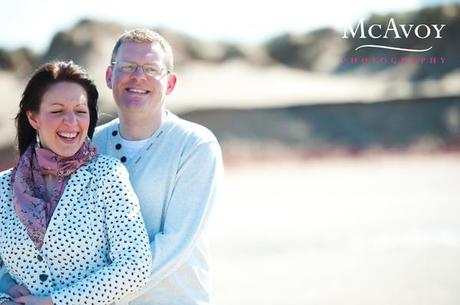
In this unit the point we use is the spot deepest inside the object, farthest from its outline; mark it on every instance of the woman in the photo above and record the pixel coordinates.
(71, 228)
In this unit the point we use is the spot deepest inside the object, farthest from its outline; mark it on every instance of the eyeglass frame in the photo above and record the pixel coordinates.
(114, 63)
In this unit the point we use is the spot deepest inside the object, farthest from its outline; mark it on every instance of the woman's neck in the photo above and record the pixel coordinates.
(50, 186)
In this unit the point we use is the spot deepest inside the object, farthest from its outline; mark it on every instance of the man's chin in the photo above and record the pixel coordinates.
(134, 104)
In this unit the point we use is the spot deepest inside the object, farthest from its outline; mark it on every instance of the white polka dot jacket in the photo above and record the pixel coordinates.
(96, 247)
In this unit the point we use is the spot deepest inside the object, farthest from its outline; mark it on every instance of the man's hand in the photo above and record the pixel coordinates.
(34, 300)
(10, 303)
(16, 291)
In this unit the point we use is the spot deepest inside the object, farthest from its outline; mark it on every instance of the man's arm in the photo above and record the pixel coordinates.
(187, 212)
(6, 281)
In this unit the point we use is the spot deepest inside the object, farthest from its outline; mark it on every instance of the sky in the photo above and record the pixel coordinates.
(33, 23)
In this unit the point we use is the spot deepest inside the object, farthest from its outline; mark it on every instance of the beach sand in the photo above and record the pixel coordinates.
(372, 230)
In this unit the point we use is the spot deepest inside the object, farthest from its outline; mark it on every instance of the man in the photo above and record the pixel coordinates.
(175, 167)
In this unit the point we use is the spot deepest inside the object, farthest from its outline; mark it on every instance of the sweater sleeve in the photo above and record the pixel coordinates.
(5, 279)
(5, 282)
(187, 211)
(129, 249)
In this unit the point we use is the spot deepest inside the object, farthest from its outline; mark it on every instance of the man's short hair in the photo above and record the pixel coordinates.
(145, 36)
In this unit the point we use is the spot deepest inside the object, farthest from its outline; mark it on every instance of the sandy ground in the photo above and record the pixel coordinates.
(381, 230)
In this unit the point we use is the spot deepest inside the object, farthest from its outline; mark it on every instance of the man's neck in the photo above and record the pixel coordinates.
(140, 127)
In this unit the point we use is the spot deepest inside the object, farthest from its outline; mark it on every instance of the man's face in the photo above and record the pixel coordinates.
(136, 91)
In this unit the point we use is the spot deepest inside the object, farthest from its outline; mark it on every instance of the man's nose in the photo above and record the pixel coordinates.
(138, 72)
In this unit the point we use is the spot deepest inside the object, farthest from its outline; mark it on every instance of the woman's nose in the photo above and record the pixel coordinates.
(70, 118)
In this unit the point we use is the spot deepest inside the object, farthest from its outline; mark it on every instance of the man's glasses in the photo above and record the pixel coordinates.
(149, 69)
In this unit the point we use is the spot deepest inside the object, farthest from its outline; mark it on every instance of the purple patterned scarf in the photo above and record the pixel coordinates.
(31, 202)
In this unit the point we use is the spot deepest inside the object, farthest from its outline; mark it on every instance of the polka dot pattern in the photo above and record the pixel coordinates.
(96, 248)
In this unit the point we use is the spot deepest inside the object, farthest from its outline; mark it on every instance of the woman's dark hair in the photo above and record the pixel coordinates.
(44, 77)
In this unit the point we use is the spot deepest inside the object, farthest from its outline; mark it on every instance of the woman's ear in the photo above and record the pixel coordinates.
(32, 117)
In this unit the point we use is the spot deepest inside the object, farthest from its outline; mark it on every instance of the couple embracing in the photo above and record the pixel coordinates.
(114, 214)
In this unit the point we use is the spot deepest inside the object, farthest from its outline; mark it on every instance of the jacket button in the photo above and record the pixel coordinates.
(43, 277)
(123, 159)
(39, 258)
(118, 146)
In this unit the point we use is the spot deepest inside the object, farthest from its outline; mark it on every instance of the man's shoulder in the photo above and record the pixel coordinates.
(101, 133)
(191, 131)
(104, 128)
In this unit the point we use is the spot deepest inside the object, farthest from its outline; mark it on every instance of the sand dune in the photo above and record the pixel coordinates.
(236, 84)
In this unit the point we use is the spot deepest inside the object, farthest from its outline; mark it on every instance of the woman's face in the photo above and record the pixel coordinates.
(63, 119)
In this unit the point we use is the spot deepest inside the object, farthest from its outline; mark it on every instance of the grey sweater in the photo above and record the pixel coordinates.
(175, 175)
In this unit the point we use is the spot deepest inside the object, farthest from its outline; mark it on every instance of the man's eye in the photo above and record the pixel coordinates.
(56, 111)
(127, 68)
(151, 69)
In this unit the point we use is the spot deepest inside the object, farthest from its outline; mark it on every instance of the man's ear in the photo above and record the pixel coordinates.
(32, 117)
(108, 76)
(172, 79)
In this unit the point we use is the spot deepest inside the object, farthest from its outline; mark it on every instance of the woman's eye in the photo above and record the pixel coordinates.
(56, 111)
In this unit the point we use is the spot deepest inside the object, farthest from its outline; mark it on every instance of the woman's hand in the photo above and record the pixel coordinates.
(16, 291)
(34, 300)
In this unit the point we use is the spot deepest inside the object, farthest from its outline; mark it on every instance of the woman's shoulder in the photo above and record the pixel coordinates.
(104, 162)
(5, 175)
(5, 184)
(104, 165)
